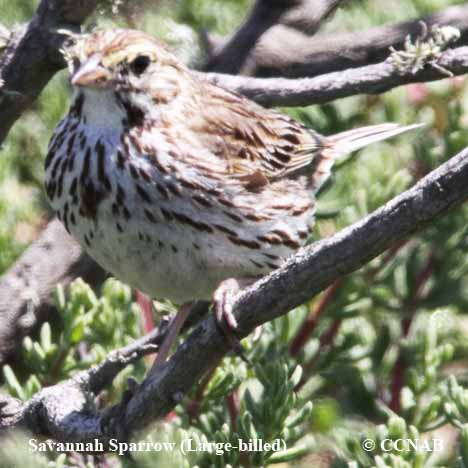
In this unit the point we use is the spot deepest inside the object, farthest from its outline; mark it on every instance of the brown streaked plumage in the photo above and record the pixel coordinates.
(176, 185)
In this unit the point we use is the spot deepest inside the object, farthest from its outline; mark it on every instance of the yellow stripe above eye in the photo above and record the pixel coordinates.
(128, 54)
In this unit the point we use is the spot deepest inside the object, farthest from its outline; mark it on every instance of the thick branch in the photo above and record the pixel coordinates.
(32, 56)
(303, 15)
(310, 271)
(286, 52)
(371, 79)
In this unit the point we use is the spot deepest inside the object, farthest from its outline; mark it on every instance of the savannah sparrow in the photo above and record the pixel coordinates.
(176, 185)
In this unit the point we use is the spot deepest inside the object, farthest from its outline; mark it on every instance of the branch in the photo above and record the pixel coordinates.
(286, 52)
(32, 56)
(371, 79)
(303, 15)
(26, 289)
(310, 271)
(309, 15)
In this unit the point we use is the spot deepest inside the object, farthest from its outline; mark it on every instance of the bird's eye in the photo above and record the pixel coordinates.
(140, 64)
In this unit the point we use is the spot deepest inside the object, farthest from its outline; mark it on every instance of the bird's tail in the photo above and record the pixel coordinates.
(343, 143)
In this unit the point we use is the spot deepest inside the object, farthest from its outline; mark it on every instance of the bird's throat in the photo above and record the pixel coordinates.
(101, 110)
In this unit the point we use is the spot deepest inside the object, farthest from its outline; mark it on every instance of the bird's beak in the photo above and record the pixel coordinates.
(91, 74)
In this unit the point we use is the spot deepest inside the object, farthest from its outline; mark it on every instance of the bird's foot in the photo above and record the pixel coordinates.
(223, 298)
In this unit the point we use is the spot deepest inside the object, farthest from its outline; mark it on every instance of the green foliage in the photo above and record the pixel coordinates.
(89, 328)
(241, 404)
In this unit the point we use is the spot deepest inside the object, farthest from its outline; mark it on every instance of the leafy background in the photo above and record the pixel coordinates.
(382, 354)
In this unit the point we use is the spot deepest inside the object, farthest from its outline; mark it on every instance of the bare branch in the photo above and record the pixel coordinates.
(371, 79)
(303, 15)
(102, 375)
(309, 15)
(310, 271)
(31, 57)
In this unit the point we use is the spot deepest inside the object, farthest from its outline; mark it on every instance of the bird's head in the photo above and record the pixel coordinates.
(126, 64)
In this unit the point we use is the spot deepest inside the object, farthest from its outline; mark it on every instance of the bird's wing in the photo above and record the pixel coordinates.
(248, 143)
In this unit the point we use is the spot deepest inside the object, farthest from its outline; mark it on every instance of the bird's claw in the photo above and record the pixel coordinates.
(223, 299)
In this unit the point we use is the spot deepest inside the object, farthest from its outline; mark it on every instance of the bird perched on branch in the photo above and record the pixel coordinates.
(181, 188)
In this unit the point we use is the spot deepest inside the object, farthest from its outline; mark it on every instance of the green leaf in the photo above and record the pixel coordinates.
(288, 455)
(295, 377)
(46, 337)
(304, 413)
(78, 331)
(60, 298)
(13, 383)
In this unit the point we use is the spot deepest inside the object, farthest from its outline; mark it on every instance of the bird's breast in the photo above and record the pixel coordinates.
(156, 224)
